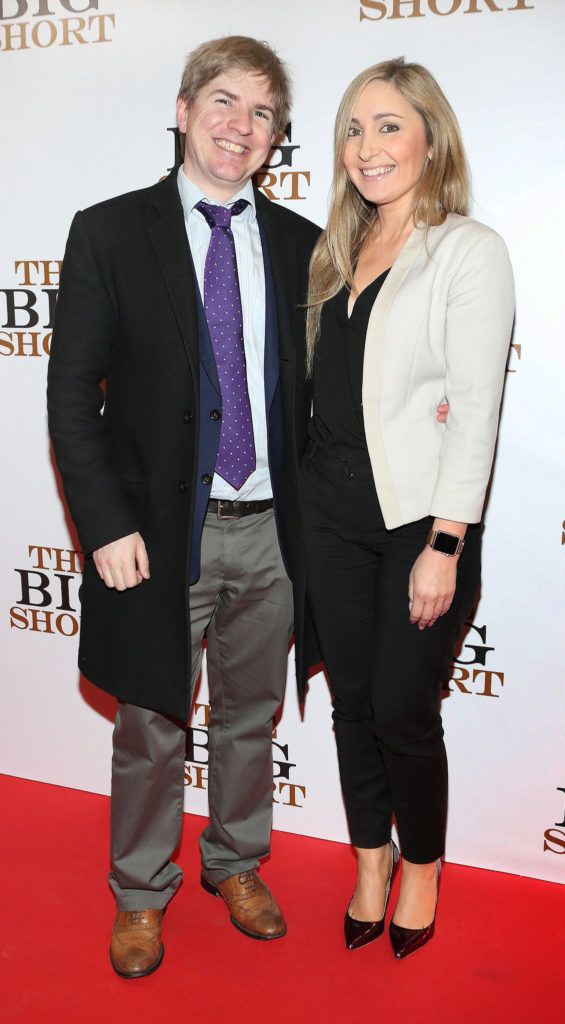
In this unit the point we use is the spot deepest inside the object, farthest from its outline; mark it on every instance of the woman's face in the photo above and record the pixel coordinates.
(386, 149)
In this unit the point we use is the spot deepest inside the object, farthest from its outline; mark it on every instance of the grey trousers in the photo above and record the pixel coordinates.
(243, 601)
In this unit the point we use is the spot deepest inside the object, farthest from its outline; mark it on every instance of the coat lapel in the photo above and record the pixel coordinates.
(168, 235)
(281, 248)
(271, 355)
(206, 352)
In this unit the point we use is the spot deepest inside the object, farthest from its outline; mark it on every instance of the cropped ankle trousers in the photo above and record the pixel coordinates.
(385, 674)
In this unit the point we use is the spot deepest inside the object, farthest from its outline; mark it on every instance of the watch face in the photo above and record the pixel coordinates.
(446, 543)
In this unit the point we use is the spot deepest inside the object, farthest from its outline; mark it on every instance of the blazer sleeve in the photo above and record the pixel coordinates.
(479, 317)
(84, 332)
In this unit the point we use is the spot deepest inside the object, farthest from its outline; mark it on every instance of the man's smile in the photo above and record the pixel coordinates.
(231, 147)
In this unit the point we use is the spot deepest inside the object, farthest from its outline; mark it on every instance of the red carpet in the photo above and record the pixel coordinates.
(497, 955)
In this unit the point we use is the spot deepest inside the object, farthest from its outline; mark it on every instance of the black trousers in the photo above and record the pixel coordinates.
(385, 674)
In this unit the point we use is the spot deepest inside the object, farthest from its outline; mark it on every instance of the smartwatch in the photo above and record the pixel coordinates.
(446, 543)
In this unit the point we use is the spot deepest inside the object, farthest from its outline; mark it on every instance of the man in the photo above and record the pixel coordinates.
(185, 299)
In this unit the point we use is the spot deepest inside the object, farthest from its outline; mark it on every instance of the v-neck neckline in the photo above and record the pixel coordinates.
(362, 293)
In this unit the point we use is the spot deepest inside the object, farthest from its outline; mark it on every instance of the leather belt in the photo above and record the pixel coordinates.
(236, 509)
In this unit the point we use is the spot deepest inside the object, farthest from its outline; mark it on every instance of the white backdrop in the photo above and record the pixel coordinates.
(88, 93)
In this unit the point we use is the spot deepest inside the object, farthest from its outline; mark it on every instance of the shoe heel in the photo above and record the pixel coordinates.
(405, 941)
(361, 933)
(208, 887)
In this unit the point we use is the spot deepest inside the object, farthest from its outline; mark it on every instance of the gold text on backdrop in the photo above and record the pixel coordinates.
(28, 306)
(376, 10)
(469, 673)
(279, 179)
(52, 28)
(49, 600)
(515, 353)
(285, 792)
(554, 838)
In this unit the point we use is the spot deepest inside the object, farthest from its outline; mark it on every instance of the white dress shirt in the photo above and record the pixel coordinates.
(250, 268)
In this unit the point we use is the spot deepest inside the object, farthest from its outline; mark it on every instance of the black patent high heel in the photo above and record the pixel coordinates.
(360, 933)
(405, 941)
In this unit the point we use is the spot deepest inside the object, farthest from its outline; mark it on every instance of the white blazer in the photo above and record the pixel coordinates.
(440, 326)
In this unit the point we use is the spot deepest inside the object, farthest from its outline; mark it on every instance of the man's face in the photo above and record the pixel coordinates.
(229, 132)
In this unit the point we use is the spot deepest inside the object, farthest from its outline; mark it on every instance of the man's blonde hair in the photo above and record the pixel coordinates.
(217, 56)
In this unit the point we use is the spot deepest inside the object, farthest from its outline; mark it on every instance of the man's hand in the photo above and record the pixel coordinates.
(431, 587)
(123, 563)
(442, 411)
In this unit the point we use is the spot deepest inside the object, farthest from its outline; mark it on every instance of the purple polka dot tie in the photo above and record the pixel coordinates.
(222, 305)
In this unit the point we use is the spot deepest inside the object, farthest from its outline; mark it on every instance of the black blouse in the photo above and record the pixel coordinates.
(338, 370)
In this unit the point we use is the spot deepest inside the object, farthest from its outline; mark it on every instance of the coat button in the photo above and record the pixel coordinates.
(215, 414)
(206, 479)
(182, 486)
(187, 416)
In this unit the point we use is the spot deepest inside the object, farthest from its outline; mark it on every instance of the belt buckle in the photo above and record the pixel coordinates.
(219, 512)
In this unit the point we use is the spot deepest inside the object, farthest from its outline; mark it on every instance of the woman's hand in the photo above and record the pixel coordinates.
(442, 411)
(431, 587)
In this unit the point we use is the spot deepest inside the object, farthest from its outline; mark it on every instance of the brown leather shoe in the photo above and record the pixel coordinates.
(136, 948)
(251, 905)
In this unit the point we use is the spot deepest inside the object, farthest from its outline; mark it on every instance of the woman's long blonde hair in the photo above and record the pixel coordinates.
(442, 189)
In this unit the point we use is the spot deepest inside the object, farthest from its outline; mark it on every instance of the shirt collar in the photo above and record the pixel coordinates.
(191, 194)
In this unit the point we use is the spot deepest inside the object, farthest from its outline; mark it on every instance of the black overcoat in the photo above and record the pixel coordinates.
(123, 402)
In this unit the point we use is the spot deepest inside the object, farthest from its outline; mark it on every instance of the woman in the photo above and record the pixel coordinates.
(410, 301)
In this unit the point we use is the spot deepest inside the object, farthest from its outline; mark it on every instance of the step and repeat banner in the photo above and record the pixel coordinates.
(87, 111)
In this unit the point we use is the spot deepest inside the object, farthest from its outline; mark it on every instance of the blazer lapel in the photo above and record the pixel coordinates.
(375, 347)
(411, 251)
(407, 256)
(168, 235)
